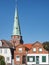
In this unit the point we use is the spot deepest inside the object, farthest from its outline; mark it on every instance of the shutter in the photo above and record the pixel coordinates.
(43, 58)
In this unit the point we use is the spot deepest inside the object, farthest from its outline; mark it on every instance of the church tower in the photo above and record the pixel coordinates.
(16, 35)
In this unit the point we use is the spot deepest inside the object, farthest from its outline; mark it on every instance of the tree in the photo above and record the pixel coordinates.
(46, 45)
(2, 62)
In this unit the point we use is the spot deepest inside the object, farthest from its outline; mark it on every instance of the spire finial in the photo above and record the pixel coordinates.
(16, 3)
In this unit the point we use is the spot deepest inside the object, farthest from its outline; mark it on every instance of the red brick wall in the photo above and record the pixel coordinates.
(37, 46)
(16, 52)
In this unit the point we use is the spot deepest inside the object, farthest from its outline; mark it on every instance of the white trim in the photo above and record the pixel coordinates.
(40, 49)
(17, 59)
(20, 49)
(8, 54)
(34, 49)
(40, 58)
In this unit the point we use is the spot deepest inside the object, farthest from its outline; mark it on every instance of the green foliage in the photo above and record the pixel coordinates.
(2, 62)
(1, 57)
(46, 45)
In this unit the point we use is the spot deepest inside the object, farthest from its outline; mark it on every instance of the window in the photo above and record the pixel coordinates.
(20, 49)
(31, 58)
(8, 58)
(17, 58)
(34, 49)
(0, 50)
(5, 50)
(43, 58)
(40, 49)
(0, 43)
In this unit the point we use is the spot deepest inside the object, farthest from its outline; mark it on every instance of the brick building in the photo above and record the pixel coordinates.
(22, 53)
(27, 53)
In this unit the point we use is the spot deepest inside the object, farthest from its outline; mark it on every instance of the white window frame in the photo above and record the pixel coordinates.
(40, 49)
(5, 51)
(30, 59)
(34, 49)
(20, 49)
(17, 59)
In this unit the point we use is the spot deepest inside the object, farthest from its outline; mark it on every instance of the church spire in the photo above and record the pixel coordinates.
(16, 35)
(16, 29)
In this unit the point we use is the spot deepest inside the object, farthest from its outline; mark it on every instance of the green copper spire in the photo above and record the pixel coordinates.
(16, 29)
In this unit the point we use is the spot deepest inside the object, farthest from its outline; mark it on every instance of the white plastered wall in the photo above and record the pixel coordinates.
(40, 58)
(8, 54)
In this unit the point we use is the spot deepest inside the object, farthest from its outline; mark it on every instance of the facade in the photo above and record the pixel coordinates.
(37, 55)
(5, 51)
(31, 54)
(16, 52)
(20, 54)
(27, 53)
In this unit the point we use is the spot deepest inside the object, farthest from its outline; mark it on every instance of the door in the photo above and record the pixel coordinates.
(37, 59)
(24, 59)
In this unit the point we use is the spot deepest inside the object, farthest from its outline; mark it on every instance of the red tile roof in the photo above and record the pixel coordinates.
(28, 45)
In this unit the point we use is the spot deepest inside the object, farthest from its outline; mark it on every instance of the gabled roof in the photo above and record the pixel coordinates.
(22, 45)
(28, 45)
(6, 44)
(37, 43)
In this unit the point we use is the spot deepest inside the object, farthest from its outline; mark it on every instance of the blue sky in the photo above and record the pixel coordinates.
(33, 18)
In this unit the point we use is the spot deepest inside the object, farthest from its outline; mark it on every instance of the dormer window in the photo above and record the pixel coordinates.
(0, 43)
(20, 49)
(34, 49)
(40, 49)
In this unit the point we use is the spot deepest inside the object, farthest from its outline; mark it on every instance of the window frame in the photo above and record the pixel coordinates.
(17, 59)
(43, 58)
(20, 49)
(40, 49)
(34, 49)
(33, 57)
(5, 51)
